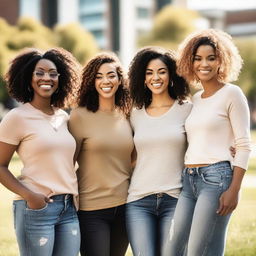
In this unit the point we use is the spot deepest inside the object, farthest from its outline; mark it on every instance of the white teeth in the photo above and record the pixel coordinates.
(106, 89)
(204, 71)
(156, 85)
(45, 86)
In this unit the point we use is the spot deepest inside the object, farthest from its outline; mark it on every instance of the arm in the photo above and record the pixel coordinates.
(34, 200)
(240, 122)
(73, 126)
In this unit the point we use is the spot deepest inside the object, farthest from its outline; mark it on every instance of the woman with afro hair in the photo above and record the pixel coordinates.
(104, 148)
(219, 118)
(45, 216)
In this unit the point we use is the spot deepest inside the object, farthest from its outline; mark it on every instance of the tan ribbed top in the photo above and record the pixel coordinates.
(106, 143)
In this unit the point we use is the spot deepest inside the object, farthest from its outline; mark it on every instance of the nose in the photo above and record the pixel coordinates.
(155, 76)
(204, 62)
(105, 80)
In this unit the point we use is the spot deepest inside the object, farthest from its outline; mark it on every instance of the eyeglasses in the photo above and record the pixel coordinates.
(41, 74)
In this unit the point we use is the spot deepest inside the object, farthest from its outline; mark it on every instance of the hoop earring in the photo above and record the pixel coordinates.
(171, 83)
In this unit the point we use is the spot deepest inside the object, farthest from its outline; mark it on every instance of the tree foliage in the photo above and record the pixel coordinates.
(247, 78)
(171, 25)
(30, 33)
(78, 41)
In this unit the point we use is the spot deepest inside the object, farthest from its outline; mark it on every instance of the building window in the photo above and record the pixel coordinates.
(142, 13)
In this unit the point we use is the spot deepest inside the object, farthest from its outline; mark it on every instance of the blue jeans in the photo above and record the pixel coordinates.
(148, 223)
(197, 229)
(50, 231)
(103, 232)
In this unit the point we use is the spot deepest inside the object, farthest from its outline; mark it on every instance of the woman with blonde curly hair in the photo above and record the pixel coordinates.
(104, 147)
(45, 216)
(219, 118)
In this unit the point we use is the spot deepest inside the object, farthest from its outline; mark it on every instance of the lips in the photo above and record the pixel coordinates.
(106, 89)
(204, 71)
(157, 85)
(45, 86)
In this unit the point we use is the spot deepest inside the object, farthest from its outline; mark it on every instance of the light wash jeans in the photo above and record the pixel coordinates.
(148, 223)
(197, 229)
(50, 231)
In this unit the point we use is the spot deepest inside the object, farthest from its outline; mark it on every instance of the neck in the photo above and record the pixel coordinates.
(107, 104)
(211, 87)
(43, 105)
(161, 100)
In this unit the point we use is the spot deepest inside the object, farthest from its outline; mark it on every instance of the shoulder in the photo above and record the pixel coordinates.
(234, 93)
(135, 112)
(14, 114)
(78, 113)
(186, 105)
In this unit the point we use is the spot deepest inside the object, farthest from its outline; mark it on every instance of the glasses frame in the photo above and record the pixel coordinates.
(44, 73)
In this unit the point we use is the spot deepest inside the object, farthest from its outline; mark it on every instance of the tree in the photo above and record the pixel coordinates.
(171, 25)
(77, 40)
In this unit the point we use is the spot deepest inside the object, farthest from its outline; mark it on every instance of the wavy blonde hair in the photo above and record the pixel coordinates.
(225, 50)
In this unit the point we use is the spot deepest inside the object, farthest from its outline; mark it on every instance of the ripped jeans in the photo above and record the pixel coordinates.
(50, 231)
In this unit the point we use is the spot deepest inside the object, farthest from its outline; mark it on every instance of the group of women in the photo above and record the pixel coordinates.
(154, 170)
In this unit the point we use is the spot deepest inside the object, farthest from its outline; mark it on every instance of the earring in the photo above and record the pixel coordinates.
(171, 83)
(57, 90)
(29, 89)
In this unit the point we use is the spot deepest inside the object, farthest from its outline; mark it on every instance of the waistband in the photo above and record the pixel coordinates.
(62, 197)
(202, 169)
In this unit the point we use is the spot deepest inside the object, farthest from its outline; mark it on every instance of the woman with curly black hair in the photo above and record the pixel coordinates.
(44, 208)
(159, 96)
(104, 147)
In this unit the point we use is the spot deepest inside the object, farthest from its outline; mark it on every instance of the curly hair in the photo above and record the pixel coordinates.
(88, 96)
(19, 76)
(225, 50)
(141, 95)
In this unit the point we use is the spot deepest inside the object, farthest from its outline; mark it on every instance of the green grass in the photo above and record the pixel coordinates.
(241, 234)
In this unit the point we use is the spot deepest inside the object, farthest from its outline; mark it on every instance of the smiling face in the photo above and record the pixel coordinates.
(107, 81)
(45, 79)
(157, 77)
(206, 64)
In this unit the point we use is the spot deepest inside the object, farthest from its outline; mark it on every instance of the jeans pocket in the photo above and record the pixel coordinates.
(211, 178)
(37, 210)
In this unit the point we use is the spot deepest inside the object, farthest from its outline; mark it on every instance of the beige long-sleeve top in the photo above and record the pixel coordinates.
(45, 147)
(160, 144)
(216, 123)
(106, 144)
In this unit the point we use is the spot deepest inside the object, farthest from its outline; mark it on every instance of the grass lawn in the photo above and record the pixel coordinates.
(242, 228)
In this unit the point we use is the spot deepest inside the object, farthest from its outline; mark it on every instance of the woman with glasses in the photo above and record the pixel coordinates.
(45, 218)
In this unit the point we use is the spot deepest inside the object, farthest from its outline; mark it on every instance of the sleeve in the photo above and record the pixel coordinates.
(11, 128)
(239, 116)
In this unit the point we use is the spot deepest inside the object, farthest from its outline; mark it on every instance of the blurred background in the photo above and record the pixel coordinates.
(85, 27)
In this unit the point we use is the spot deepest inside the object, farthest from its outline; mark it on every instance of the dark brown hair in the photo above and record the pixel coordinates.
(141, 95)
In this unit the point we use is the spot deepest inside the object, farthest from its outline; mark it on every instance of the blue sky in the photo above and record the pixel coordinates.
(222, 4)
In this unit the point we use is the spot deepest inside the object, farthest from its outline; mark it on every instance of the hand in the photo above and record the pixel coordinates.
(228, 202)
(232, 151)
(37, 201)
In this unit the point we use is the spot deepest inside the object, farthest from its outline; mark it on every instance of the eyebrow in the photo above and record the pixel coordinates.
(158, 69)
(211, 55)
(110, 72)
(42, 69)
